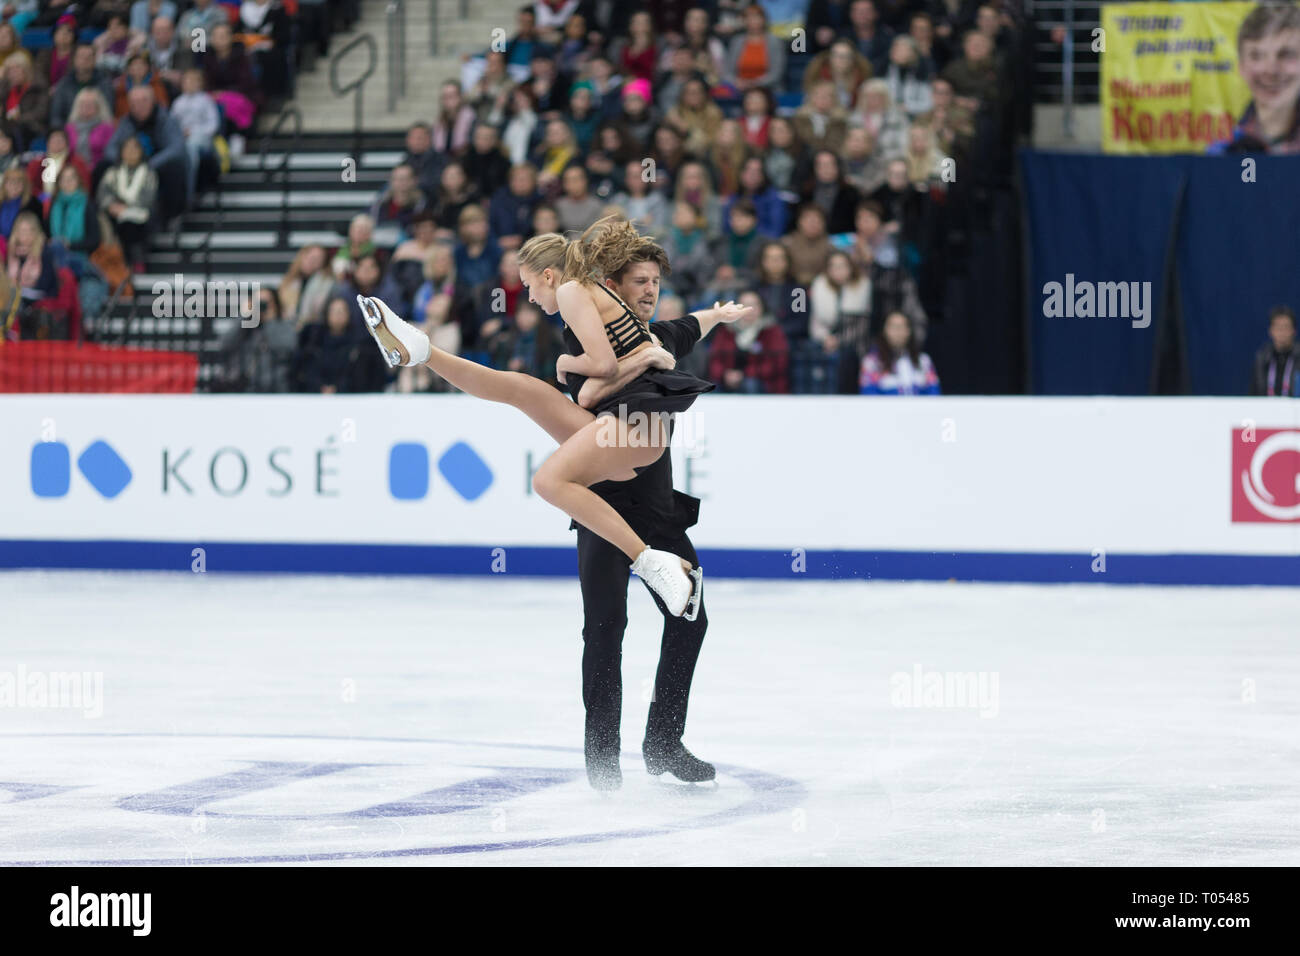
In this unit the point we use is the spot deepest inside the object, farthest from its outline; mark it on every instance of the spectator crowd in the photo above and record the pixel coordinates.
(798, 155)
(117, 113)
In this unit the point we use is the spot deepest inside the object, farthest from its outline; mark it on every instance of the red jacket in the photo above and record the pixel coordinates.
(45, 191)
(767, 360)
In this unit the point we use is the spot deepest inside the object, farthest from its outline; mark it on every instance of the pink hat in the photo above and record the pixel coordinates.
(637, 87)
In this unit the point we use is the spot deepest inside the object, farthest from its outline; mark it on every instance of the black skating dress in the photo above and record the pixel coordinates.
(654, 390)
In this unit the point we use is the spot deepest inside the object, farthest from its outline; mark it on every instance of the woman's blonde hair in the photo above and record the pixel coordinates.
(33, 221)
(542, 252)
(875, 85)
(21, 60)
(605, 249)
(102, 115)
(18, 174)
(436, 250)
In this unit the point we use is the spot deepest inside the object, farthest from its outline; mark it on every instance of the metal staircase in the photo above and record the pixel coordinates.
(289, 194)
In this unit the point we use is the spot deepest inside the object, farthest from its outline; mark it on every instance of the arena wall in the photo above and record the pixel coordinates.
(1102, 490)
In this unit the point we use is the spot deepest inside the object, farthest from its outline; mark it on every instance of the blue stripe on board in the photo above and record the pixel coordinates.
(1221, 569)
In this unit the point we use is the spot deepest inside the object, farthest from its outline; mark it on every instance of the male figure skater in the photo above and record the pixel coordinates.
(660, 515)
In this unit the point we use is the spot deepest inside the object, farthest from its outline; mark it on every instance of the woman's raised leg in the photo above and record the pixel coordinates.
(605, 449)
(547, 406)
(609, 449)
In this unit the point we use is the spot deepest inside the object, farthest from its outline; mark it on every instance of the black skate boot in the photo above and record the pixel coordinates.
(680, 762)
(604, 773)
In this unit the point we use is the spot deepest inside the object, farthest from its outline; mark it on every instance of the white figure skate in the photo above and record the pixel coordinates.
(402, 343)
(662, 571)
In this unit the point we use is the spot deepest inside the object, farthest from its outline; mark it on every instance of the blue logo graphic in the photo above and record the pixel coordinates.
(100, 465)
(465, 471)
(462, 467)
(51, 469)
(408, 471)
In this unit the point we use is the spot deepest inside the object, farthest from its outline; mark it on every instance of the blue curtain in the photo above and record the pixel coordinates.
(1119, 218)
(1238, 256)
(1100, 219)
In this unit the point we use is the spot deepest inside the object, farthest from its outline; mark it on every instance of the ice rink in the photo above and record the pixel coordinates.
(439, 721)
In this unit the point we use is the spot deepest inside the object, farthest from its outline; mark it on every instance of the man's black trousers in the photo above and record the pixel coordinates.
(603, 571)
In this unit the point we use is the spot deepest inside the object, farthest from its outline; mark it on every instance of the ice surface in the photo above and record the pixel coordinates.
(439, 721)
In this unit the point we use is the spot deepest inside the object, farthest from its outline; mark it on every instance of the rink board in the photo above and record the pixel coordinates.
(1034, 489)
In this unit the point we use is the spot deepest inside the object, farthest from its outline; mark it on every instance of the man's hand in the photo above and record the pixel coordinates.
(658, 357)
(729, 312)
(595, 389)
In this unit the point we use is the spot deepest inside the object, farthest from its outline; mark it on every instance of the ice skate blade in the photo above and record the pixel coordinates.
(370, 311)
(394, 354)
(676, 785)
(692, 610)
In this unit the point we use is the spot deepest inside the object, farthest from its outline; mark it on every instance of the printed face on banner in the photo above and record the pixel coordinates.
(1197, 77)
(1266, 475)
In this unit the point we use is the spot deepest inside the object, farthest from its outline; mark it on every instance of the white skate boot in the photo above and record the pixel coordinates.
(663, 572)
(401, 342)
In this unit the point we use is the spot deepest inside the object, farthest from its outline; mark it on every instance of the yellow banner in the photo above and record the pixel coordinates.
(1170, 81)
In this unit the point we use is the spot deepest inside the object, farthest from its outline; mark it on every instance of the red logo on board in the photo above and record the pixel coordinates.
(1266, 475)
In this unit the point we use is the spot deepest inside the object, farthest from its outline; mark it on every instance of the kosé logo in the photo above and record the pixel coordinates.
(1266, 474)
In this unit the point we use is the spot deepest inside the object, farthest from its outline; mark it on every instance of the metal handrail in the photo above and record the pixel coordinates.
(1067, 74)
(357, 84)
(130, 315)
(205, 247)
(100, 321)
(395, 15)
(289, 112)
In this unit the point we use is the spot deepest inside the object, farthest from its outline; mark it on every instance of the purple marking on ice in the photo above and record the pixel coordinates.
(32, 791)
(769, 794)
(471, 794)
(185, 798)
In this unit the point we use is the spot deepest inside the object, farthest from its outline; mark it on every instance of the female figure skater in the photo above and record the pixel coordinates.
(606, 338)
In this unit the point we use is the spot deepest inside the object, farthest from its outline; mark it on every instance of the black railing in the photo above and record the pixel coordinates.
(289, 112)
(205, 247)
(102, 334)
(395, 15)
(358, 84)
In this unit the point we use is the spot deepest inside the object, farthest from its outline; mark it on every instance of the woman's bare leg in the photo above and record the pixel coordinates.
(403, 343)
(547, 406)
(602, 450)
